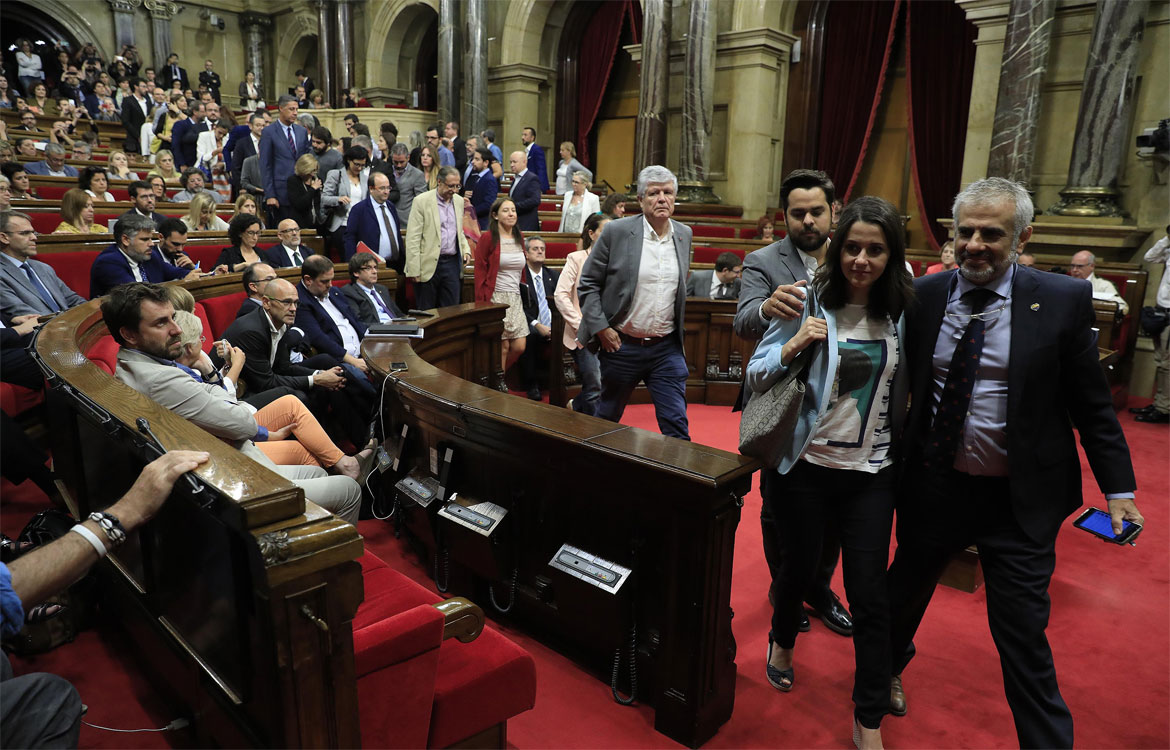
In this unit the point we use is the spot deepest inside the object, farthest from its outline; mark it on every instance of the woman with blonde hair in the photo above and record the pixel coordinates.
(304, 193)
(164, 167)
(201, 216)
(120, 167)
(77, 214)
(246, 204)
(578, 205)
(429, 159)
(569, 167)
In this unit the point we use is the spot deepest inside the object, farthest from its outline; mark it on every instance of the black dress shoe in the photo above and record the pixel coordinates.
(1141, 409)
(804, 626)
(834, 615)
(1153, 417)
(897, 696)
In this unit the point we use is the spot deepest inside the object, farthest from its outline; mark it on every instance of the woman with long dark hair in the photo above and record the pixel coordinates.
(839, 469)
(499, 261)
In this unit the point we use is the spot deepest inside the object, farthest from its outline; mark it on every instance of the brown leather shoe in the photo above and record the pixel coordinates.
(897, 697)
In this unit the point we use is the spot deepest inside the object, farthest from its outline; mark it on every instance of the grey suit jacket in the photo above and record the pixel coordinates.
(763, 271)
(250, 179)
(411, 185)
(334, 210)
(359, 300)
(610, 276)
(699, 285)
(19, 297)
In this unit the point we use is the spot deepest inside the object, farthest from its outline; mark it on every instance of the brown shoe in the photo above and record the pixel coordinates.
(897, 697)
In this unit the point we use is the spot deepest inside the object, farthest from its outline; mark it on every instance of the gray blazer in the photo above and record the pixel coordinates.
(699, 285)
(763, 271)
(251, 181)
(411, 185)
(334, 210)
(19, 297)
(610, 275)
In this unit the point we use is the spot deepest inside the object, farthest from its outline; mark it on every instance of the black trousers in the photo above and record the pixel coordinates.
(819, 594)
(940, 513)
(535, 352)
(861, 506)
(443, 289)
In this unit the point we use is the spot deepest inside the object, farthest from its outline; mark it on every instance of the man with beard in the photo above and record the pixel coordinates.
(1003, 363)
(132, 257)
(766, 292)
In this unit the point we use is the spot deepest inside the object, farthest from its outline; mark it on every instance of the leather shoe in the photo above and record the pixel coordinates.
(897, 697)
(1153, 417)
(804, 625)
(1141, 409)
(834, 615)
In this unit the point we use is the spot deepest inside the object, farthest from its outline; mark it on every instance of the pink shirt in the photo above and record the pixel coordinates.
(448, 228)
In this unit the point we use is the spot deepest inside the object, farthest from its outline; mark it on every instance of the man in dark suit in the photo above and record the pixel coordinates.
(640, 334)
(525, 193)
(537, 284)
(458, 147)
(325, 316)
(27, 286)
(172, 72)
(371, 300)
(536, 160)
(237, 150)
(720, 283)
(185, 136)
(289, 252)
(135, 112)
(132, 257)
(482, 187)
(253, 279)
(989, 457)
(209, 78)
(143, 198)
(281, 144)
(374, 221)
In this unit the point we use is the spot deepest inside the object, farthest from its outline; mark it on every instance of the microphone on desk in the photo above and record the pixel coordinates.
(144, 428)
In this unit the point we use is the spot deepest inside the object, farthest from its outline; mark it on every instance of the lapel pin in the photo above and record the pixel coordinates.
(1035, 306)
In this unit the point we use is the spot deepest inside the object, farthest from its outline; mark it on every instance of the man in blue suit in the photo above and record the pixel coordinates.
(281, 144)
(54, 164)
(536, 161)
(185, 136)
(484, 187)
(525, 193)
(374, 221)
(323, 313)
(132, 257)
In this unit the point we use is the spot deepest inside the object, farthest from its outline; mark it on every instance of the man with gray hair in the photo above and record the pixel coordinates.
(1002, 363)
(132, 257)
(28, 286)
(54, 164)
(633, 294)
(1083, 266)
(409, 178)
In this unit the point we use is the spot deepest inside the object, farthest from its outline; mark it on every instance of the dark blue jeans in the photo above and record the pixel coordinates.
(589, 368)
(662, 367)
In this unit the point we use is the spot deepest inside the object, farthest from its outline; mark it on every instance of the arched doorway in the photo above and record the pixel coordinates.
(404, 52)
(44, 31)
(303, 57)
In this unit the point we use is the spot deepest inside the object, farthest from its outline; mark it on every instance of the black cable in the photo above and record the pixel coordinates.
(511, 598)
(617, 662)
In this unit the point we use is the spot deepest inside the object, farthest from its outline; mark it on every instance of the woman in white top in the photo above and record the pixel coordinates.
(499, 261)
(251, 94)
(569, 166)
(94, 181)
(28, 66)
(565, 297)
(343, 188)
(578, 204)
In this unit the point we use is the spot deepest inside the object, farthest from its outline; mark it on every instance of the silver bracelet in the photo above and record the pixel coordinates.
(92, 538)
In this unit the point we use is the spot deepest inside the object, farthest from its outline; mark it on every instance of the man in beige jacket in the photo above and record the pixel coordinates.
(436, 249)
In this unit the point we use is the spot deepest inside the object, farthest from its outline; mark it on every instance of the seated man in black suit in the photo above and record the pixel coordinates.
(254, 277)
(289, 252)
(20, 457)
(329, 323)
(143, 197)
(537, 284)
(371, 300)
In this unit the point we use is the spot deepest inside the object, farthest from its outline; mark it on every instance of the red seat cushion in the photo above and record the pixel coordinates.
(44, 222)
(709, 254)
(52, 192)
(221, 311)
(550, 225)
(208, 335)
(549, 206)
(72, 268)
(16, 399)
(703, 230)
(204, 255)
(121, 194)
(916, 265)
(559, 249)
(103, 220)
(104, 353)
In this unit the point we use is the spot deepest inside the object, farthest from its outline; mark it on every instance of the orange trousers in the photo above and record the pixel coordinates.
(311, 445)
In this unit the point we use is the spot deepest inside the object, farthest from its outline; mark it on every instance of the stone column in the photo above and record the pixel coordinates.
(1017, 107)
(346, 61)
(1102, 134)
(256, 28)
(475, 64)
(448, 71)
(161, 13)
(325, 55)
(698, 105)
(123, 22)
(653, 90)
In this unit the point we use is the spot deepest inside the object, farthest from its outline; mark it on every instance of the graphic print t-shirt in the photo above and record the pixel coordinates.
(854, 431)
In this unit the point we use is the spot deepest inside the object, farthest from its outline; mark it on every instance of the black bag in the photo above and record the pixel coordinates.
(1154, 320)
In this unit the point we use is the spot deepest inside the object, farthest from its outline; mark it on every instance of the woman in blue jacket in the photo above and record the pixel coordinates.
(840, 467)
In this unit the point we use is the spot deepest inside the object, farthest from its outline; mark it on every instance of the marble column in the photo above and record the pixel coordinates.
(346, 60)
(654, 86)
(256, 27)
(161, 13)
(448, 71)
(124, 21)
(325, 55)
(698, 105)
(1017, 107)
(1103, 122)
(475, 64)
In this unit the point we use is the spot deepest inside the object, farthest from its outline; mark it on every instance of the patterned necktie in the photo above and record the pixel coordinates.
(961, 377)
(378, 301)
(389, 232)
(545, 315)
(291, 141)
(40, 289)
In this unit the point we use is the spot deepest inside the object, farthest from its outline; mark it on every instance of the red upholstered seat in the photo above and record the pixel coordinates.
(747, 233)
(916, 265)
(72, 268)
(121, 194)
(208, 339)
(221, 311)
(52, 192)
(44, 222)
(703, 230)
(559, 249)
(104, 353)
(709, 254)
(16, 399)
(103, 220)
(549, 206)
(550, 225)
(204, 255)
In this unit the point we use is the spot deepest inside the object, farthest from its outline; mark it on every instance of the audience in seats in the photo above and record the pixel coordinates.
(371, 301)
(765, 229)
(1026, 258)
(537, 284)
(409, 178)
(142, 320)
(244, 236)
(254, 278)
(525, 193)
(53, 165)
(201, 216)
(567, 302)
(28, 286)
(481, 187)
(329, 323)
(77, 214)
(132, 257)
(1159, 411)
(535, 158)
(578, 204)
(373, 222)
(192, 181)
(946, 258)
(436, 251)
(289, 252)
(499, 263)
(720, 283)
(164, 167)
(281, 144)
(569, 167)
(636, 319)
(95, 182)
(143, 198)
(806, 196)
(343, 189)
(1082, 266)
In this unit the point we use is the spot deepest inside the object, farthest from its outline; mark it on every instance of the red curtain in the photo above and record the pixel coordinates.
(857, 54)
(599, 44)
(940, 63)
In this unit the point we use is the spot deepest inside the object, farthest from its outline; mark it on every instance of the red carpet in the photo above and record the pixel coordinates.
(1110, 633)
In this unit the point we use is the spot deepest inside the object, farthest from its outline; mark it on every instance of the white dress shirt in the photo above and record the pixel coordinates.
(652, 311)
(349, 336)
(379, 304)
(134, 269)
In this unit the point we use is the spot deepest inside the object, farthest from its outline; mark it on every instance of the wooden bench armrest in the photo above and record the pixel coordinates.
(462, 619)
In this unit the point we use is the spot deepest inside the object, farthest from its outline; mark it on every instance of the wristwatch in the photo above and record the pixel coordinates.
(111, 526)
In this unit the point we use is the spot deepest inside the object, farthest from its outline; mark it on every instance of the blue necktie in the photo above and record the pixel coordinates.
(378, 301)
(545, 316)
(40, 288)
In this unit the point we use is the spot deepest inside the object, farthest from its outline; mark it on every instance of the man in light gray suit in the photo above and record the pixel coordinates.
(141, 319)
(410, 180)
(633, 293)
(27, 286)
(720, 283)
